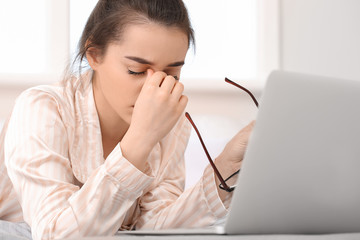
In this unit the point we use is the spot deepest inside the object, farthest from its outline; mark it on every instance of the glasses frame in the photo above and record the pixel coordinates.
(223, 184)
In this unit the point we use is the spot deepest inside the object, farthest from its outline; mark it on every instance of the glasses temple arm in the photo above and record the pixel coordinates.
(207, 153)
(241, 87)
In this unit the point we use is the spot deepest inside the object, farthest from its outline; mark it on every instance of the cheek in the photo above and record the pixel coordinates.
(127, 88)
(113, 85)
(121, 88)
(137, 87)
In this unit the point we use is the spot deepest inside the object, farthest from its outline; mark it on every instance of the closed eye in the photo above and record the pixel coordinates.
(135, 73)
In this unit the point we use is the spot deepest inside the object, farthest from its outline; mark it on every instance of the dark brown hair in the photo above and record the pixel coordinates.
(110, 17)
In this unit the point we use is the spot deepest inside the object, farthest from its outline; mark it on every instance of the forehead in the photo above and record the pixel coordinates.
(154, 42)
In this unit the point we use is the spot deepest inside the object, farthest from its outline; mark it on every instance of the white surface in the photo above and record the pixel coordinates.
(345, 236)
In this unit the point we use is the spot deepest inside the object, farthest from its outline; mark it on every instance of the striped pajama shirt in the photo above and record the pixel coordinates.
(54, 177)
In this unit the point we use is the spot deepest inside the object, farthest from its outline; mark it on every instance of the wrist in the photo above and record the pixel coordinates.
(226, 169)
(136, 149)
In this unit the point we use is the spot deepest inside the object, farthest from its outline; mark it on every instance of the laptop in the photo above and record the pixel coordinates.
(301, 170)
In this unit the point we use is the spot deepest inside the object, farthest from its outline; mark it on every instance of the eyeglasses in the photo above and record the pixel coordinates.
(223, 184)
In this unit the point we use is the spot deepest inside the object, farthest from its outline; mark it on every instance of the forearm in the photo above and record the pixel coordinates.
(93, 210)
(62, 210)
(136, 149)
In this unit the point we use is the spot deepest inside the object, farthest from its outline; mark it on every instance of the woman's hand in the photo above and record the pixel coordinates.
(158, 106)
(230, 159)
(157, 109)
(234, 150)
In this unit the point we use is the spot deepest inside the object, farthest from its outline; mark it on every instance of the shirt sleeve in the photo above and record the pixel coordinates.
(167, 206)
(36, 156)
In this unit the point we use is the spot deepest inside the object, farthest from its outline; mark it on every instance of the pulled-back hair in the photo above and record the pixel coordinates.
(110, 17)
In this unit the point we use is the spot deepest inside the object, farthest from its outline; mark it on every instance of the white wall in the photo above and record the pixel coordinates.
(321, 37)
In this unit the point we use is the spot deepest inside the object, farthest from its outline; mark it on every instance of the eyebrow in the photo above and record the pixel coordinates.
(144, 61)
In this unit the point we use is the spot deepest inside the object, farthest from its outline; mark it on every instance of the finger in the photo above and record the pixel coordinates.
(177, 91)
(182, 104)
(250, 126)
(150, 72)
(244, 133)
(168, 84)
(154, 79)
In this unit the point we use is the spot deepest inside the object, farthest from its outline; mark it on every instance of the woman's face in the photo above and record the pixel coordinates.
(120, 73)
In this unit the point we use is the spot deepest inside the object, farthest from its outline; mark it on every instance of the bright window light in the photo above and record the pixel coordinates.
(226, 40)
(23, 27)
(79, 12)
(225, 32)
(236, 39)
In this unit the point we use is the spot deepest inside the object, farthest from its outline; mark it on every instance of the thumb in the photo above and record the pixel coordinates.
(150, 72)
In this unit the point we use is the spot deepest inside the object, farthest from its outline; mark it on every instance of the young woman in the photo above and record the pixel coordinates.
(104, 150)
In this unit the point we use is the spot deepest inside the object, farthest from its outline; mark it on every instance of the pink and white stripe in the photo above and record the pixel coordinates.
(54, 177)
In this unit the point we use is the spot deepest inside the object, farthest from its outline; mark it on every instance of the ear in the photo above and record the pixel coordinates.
(93, 56)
